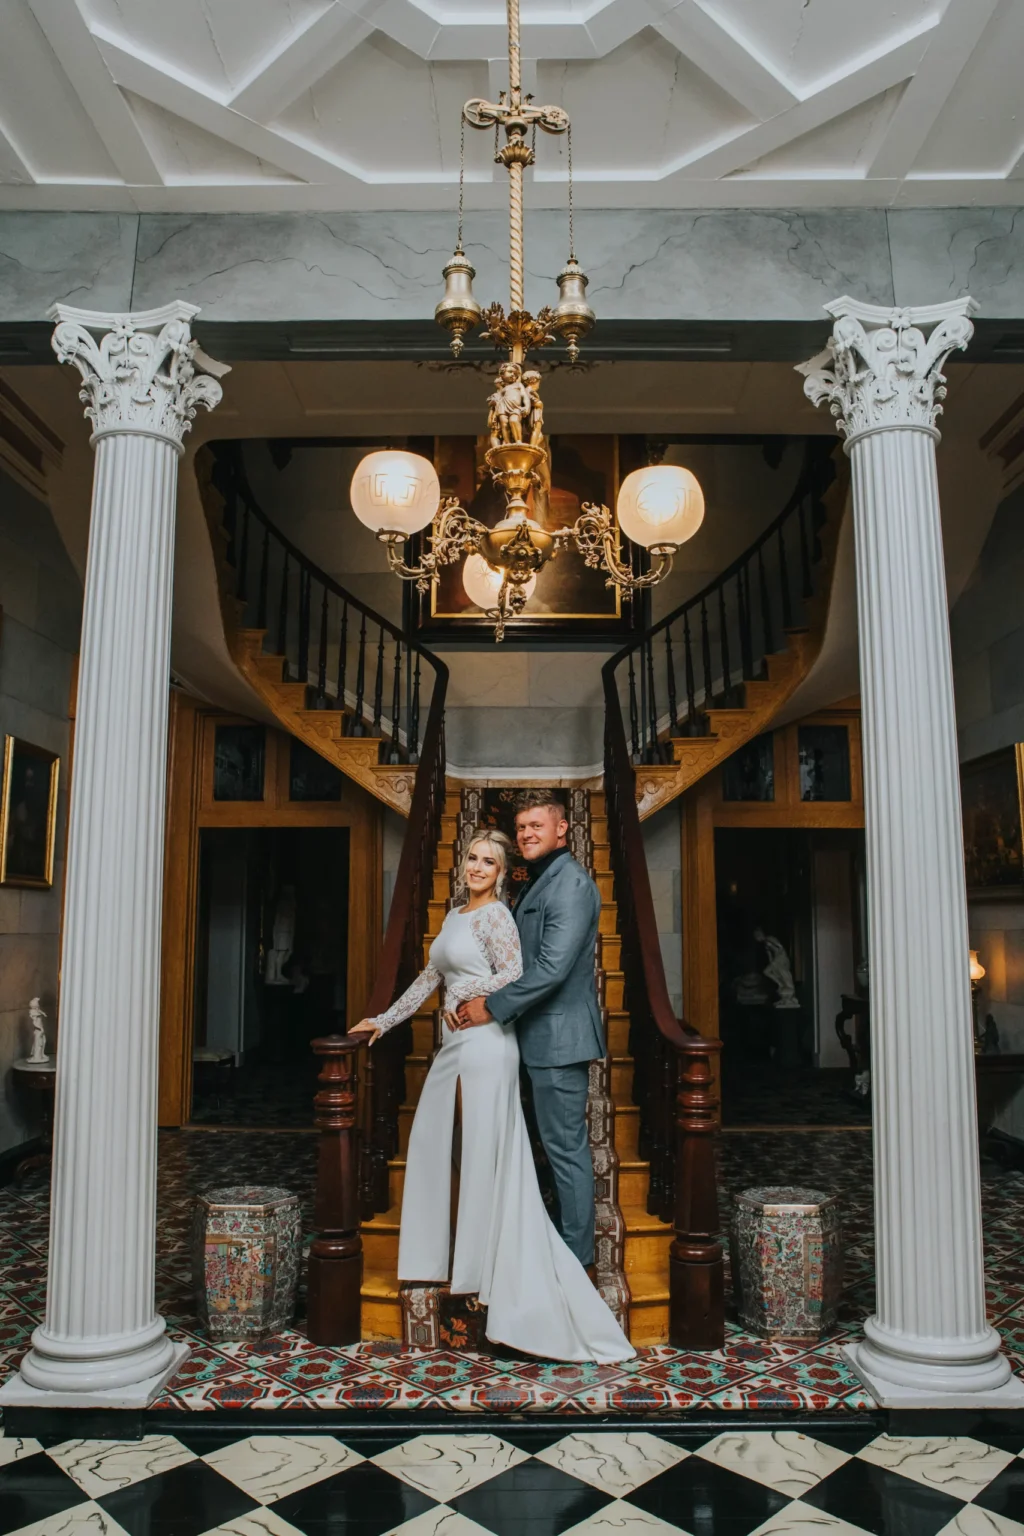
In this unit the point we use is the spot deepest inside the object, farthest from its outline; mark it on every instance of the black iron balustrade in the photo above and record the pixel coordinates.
(699, 656)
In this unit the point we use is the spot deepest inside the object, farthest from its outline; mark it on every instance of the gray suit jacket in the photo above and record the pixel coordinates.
(554, 1003)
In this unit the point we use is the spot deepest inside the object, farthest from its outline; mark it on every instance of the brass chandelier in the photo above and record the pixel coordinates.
(397, 493)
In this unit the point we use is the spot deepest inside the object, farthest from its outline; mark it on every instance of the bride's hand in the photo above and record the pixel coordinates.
(367, 1027)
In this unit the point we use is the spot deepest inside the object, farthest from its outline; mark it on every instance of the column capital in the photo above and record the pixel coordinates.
(141, 372)
(882, 366)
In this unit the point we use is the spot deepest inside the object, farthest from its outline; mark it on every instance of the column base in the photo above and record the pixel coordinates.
(944, 1394)
(17, 1393)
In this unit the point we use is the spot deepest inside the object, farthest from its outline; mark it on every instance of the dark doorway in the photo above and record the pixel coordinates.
(271, 970)
(790, 946)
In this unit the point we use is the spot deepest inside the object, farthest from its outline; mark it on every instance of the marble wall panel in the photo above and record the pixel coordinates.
(567, 677)
(498, 738)
(86, 259)
(647, 264)
(941, 253)
(728, 264)
(494, 679)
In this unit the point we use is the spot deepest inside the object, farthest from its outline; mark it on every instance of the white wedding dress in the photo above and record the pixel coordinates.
(507, 1251)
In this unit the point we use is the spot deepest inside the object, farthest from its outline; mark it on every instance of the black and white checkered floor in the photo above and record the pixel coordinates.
(837, 1483)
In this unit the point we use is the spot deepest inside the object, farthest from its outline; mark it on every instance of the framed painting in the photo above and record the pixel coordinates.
(28, 814)
(570, 598)
(992, 792)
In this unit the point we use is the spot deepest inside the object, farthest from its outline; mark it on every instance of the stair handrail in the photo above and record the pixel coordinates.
(383, 1071)
(727, 628)
(674, 1069)
(812, 480)
(243, 487)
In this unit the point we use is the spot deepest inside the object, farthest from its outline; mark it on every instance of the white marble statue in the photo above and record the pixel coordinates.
(282, 939)
(36, 1017)
(778, 970)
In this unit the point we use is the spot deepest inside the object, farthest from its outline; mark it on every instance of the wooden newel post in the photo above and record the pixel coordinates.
(335, 1273)
(696, 1269)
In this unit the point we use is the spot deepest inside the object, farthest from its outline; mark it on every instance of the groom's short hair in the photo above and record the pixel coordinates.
(531, 799)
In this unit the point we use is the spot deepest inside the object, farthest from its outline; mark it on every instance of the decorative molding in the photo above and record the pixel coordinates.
(752, 98)
(145, 374)
(882, 367)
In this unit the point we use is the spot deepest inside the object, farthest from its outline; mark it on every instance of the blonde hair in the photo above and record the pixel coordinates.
(502, 847)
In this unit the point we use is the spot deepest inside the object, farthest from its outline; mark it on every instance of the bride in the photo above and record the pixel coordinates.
(507, 1251)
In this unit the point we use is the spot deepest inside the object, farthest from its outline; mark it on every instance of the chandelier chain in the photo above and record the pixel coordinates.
(462, 176)
(572, 239)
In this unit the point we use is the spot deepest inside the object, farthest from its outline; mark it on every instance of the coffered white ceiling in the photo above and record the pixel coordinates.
(267, 105)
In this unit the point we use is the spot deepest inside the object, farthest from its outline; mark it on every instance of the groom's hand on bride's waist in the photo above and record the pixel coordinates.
(474, 1012)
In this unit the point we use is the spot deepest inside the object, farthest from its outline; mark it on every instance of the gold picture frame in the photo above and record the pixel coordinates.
(28, 814)
(992, 799)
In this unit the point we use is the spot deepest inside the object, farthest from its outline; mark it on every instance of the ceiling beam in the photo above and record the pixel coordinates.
(952, 43)
(75, 50)
(303, 59)
(726, 59)
(868, 77)
(171, 90)
(14, 161)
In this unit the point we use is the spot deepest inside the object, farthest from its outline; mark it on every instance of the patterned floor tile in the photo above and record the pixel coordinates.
(615, 1463)
(103, 1466)
(789, 1462)
(444, 1466)
(882, 1502)
(267, 1467)
(956, 1465)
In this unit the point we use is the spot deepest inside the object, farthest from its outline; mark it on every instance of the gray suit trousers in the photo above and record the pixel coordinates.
(560, 1103)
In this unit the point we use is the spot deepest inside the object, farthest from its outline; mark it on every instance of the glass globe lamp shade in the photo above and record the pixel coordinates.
(662, 504)
(482, 583)
(394, 491)
(977, 969)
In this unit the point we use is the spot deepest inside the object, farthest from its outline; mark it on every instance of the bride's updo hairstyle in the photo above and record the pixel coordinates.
(501, 847)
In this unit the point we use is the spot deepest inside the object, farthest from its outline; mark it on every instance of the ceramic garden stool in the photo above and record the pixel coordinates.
(246, 1249)
(787, 1262)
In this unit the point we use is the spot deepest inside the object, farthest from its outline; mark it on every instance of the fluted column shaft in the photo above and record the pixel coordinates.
(929, 1338)
(102, 1331)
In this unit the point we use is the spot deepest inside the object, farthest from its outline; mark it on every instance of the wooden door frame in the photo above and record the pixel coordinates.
(704, 811)
(190, 809)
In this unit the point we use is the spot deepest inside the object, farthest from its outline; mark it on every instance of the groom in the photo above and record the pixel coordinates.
(554, 1005)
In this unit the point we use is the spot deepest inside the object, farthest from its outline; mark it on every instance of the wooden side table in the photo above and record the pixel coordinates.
(38, 1077)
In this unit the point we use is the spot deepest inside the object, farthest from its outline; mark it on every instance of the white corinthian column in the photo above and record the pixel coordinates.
(928, 1342)
(103, 1339)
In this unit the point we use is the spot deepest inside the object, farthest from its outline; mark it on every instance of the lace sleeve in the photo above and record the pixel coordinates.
(404, 1007)
(494, 929)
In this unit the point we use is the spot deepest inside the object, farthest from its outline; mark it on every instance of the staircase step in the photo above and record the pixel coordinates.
(605, 885)
(614, 989)
(634, 1179)
(627, 1129)
(381, 1308)
(442, 885)
(618, 1032)
(608, 924)
(622, 1079)
(647, 1241)
(611, 952)
(602, 857)
(599, 829)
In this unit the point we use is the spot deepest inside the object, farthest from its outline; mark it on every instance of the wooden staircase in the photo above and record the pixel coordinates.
(644, 1256)
(716, 727)
(333, 673)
